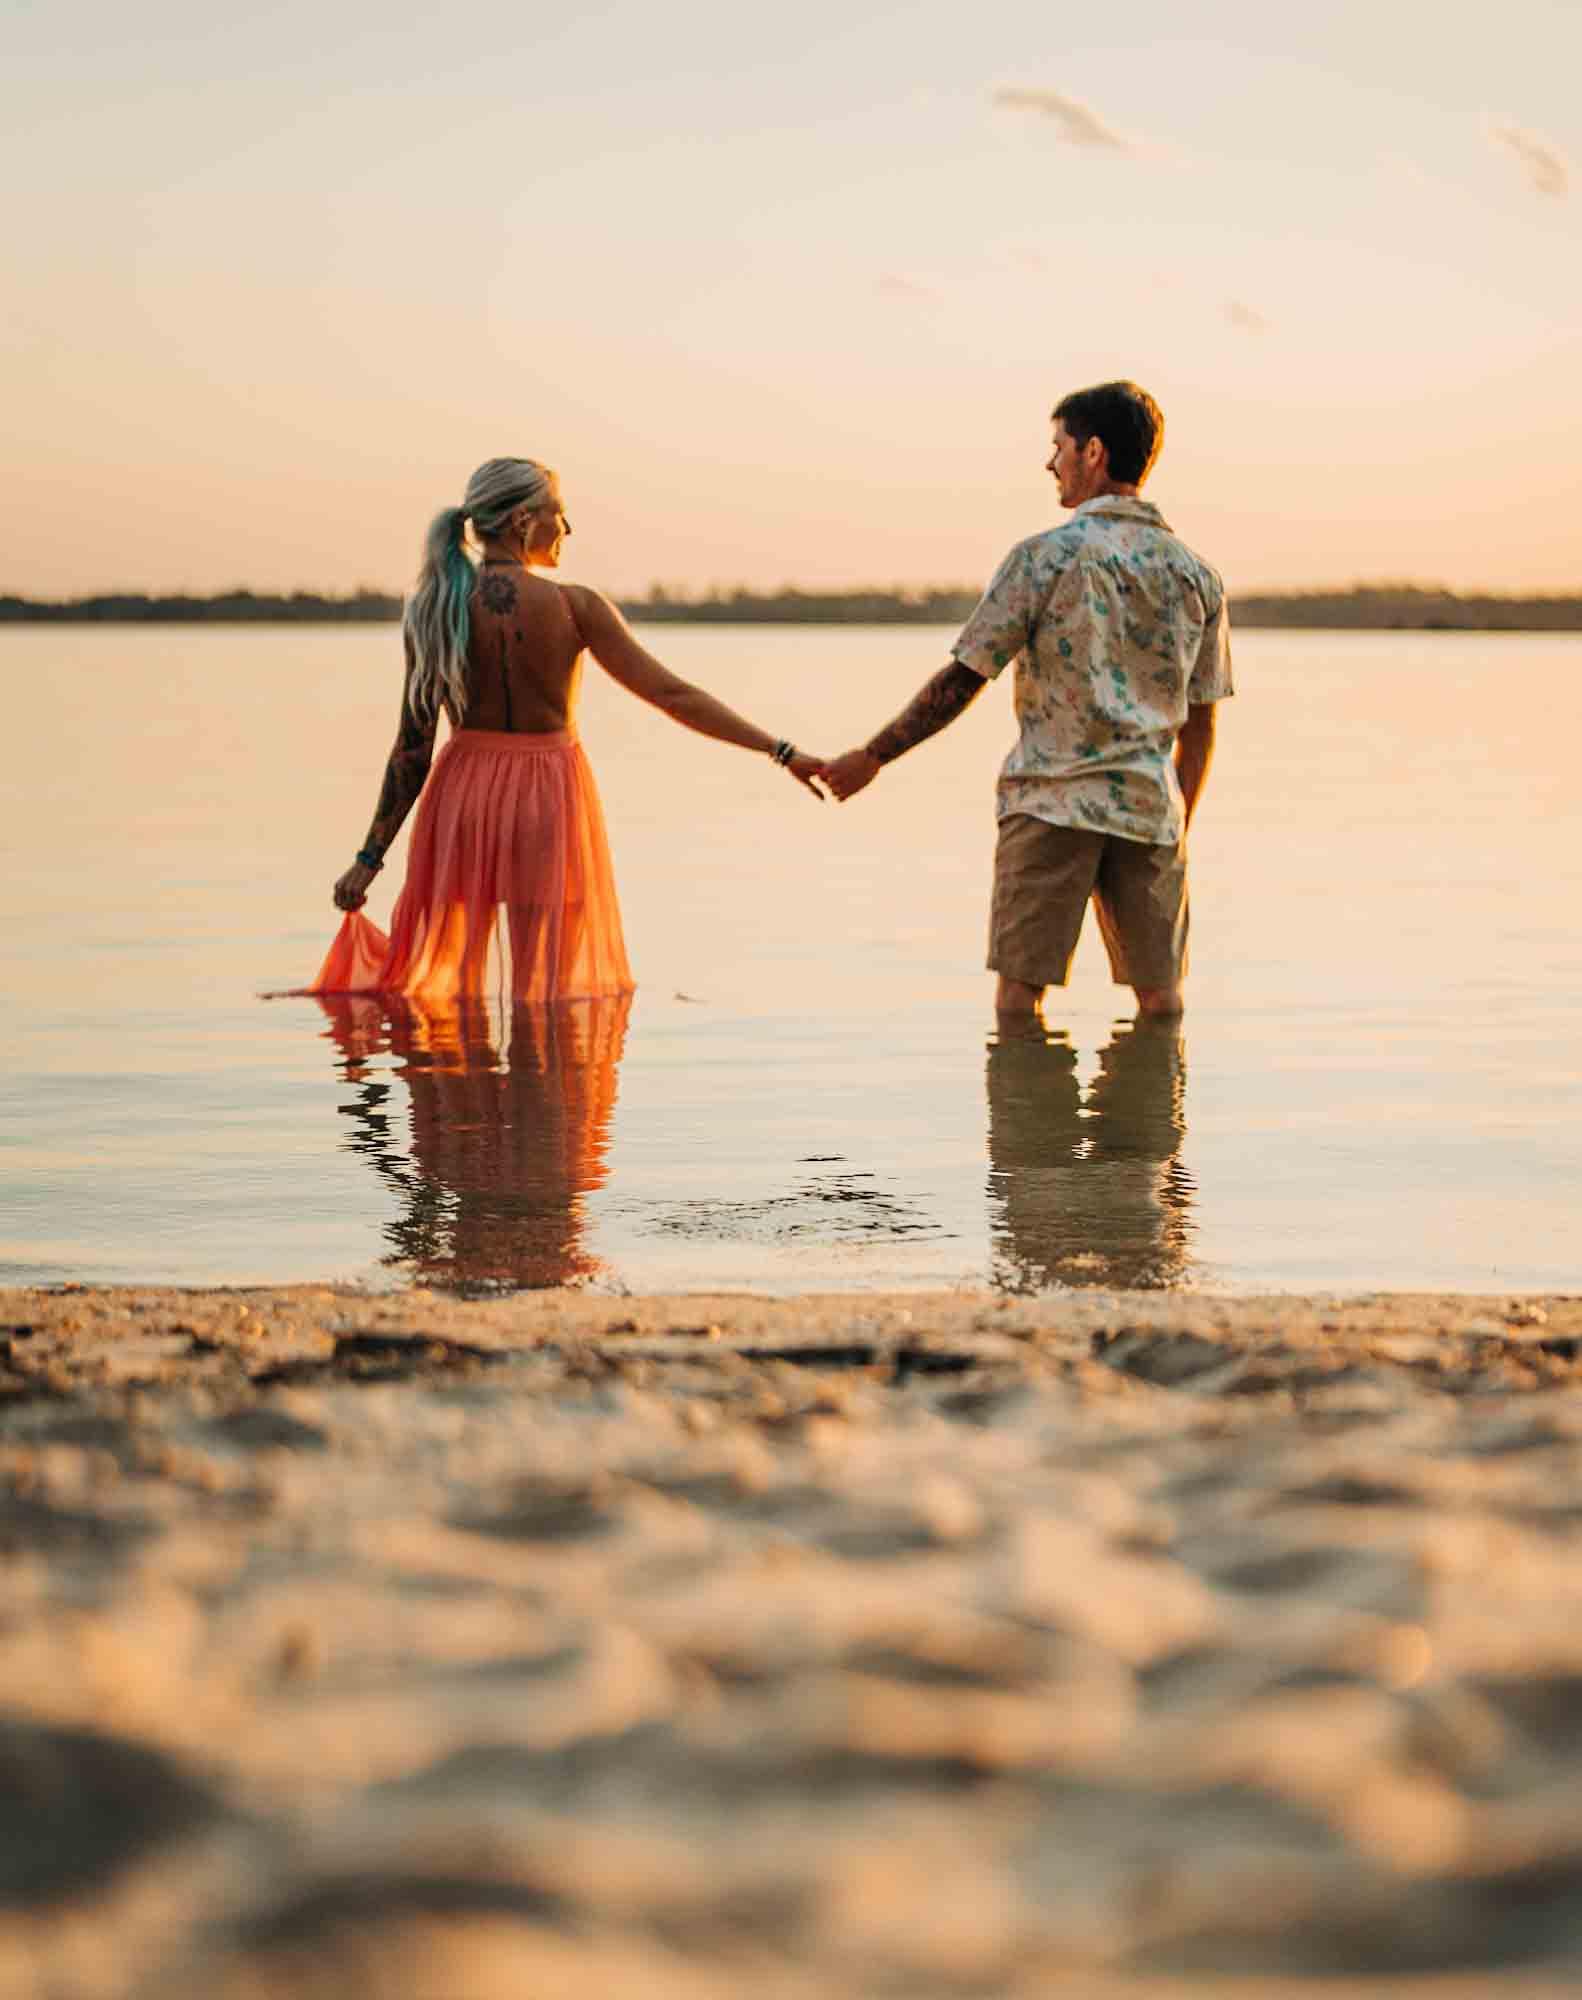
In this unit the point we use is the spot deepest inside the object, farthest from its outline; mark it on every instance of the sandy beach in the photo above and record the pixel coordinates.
(1103, 1644)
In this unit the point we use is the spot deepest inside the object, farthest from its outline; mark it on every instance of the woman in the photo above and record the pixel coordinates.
(510, 817)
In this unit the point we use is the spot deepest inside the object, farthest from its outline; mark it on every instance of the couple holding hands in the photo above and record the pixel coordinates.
(1116, 631)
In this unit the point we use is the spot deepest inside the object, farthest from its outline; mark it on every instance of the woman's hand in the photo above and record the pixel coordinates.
(805, 769)
(351, 891)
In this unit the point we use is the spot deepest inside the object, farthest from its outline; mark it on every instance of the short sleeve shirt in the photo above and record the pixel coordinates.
(1115, 628)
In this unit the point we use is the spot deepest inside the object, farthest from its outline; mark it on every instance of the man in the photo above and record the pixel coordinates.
(1120, 641)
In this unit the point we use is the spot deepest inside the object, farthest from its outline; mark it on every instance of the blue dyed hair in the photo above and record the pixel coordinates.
(436, 623)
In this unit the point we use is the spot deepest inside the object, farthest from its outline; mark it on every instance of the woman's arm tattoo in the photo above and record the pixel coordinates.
(952, 690)
(405, 772)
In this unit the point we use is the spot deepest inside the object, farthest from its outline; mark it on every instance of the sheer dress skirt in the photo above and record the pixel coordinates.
(508, 883)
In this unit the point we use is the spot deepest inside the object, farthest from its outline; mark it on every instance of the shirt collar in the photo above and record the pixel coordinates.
(1123, 507)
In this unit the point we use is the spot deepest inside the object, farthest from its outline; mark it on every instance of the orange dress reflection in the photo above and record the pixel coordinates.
(1089, 1193)
(503, 1153)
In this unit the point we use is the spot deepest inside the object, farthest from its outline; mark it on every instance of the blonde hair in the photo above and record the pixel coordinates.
(435, 622)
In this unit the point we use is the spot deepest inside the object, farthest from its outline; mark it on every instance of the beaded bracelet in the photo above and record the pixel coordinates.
(366, 858)
(783, 752)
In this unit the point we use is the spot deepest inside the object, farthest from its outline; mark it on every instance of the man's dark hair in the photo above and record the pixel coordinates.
(1125, 419)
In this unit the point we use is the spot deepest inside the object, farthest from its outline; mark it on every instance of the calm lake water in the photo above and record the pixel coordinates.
(1378, 1084)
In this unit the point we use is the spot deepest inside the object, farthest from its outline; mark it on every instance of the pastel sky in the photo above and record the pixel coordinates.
(786, 294)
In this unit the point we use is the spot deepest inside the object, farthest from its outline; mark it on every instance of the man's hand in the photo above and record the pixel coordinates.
(1195, 753)
(847, 775)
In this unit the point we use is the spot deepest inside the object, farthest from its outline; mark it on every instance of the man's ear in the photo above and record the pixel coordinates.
(1096, 454)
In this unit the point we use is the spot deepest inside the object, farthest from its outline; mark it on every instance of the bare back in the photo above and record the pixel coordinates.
(524, 655)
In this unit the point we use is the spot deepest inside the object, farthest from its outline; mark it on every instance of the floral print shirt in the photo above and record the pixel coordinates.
(1114, 627)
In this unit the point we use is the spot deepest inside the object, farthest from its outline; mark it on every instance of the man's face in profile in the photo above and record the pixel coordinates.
(1078, 469)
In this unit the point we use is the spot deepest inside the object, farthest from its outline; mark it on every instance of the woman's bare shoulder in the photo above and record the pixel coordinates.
(547, 601)
(591, 609)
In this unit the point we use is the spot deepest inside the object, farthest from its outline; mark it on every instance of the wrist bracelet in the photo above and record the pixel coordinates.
(783, 752)
(366, 858)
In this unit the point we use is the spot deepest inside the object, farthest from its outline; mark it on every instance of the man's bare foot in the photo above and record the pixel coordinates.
(1157, 1000)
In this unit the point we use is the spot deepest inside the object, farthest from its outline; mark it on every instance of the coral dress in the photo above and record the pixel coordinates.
(508, 884)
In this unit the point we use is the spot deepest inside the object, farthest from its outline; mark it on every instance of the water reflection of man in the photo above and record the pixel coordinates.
(503, 1154)
(1089, 1193)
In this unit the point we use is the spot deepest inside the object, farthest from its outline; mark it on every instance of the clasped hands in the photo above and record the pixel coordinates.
(841, 777)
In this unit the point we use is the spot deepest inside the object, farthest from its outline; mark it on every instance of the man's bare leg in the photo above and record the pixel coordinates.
(1160, 1000)
(1015, 1000)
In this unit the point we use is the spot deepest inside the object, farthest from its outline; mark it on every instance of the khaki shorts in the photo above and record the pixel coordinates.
(1044, 877)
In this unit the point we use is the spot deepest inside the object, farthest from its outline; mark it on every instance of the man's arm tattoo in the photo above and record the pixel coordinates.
(952, 690)
(405, 773)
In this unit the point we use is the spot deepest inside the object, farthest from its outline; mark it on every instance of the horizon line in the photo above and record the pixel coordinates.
(714, 594)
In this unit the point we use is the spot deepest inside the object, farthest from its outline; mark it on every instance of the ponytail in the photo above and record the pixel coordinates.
(435, 622)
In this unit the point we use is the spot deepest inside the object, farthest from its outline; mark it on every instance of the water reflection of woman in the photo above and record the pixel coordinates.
(503, 1153)
(1089, 1193)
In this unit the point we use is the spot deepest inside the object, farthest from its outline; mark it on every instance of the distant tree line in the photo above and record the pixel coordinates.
(1387, 607)
(735, 607)
(231, 607)
(806, 607)
(1406, 607)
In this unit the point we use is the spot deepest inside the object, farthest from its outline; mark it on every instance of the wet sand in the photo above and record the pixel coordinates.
(1104, 1644)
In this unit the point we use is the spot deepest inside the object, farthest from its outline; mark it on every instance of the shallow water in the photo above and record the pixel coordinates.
(1377, 1086)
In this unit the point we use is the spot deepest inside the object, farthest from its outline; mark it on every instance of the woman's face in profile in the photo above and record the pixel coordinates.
(549, 531)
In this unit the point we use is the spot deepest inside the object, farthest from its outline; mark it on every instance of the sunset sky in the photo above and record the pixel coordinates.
(786, 294)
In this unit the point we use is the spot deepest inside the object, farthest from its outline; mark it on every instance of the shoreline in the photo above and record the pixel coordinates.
(1129, 1646)
(154, 1336)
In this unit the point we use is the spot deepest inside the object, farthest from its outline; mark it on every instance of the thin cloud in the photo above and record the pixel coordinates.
(1079, 125)
(903, 288)
(1547, 169)
(1248, 318)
